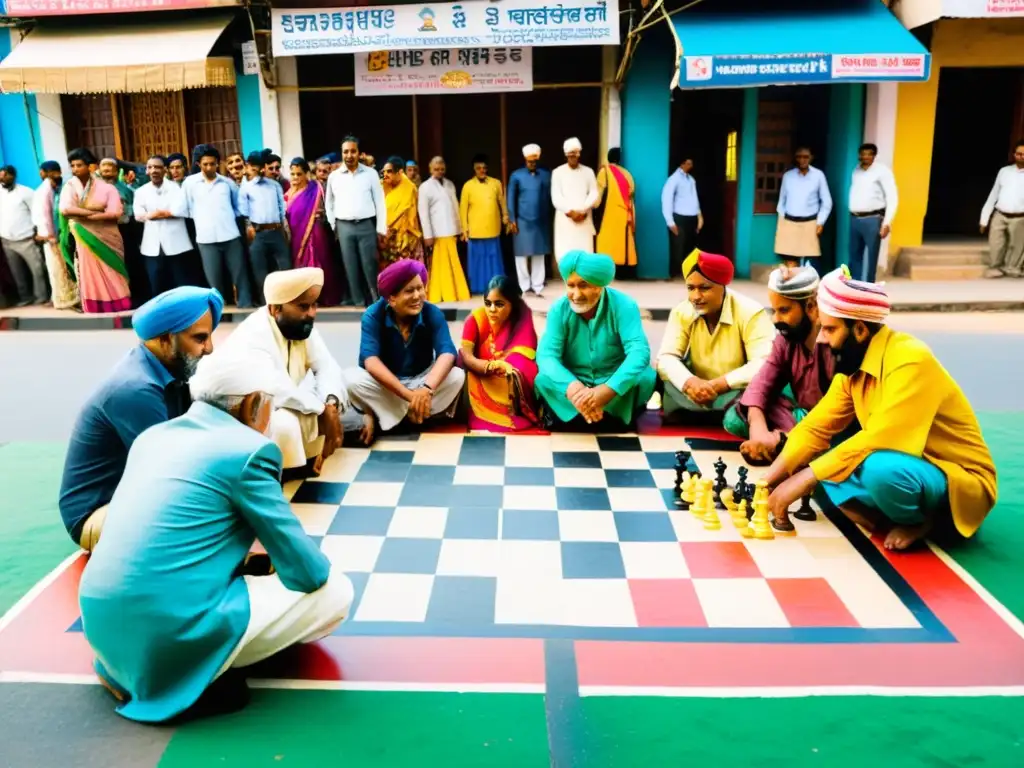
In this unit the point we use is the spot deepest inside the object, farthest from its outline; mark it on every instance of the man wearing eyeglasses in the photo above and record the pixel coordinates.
(1003, 217)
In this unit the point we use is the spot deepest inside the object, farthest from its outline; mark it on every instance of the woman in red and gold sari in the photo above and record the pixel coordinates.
(499, 351)
(311, 240)
(618, 224)
(92, 208)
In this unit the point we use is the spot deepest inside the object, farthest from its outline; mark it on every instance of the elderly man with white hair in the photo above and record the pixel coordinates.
(529, 219)
(167, 603)
(574, 193)
(311, 408)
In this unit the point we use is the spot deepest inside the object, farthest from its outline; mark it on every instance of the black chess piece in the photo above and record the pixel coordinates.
(680, 468)
(740, 491)
(720, 482)
(748, 494)
(806, 511)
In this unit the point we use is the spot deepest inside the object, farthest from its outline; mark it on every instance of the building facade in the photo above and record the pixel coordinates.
(125, 80)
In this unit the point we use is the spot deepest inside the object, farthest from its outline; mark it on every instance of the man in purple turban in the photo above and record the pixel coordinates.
(406, 354)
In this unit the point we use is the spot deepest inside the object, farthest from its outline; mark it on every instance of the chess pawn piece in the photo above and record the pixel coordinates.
(728, 501)
(707, 497)
(700, 491)
(759, 522)
(806, 511)
(739, 517)
(688, 495)
(711, 521)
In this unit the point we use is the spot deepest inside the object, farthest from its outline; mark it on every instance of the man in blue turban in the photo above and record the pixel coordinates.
(594, 359)
(147, 387)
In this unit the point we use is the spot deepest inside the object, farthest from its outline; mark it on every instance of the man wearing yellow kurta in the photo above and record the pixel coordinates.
(483, 212)
(618, 224)
(919, 462)
(715, 341)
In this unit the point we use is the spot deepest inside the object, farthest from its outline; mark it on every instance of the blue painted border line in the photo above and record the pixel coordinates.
(567, 741)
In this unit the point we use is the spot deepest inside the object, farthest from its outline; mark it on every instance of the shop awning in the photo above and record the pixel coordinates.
(127, 58)
(860, 41)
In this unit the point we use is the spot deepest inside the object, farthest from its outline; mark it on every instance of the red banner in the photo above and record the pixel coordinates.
(84, 7)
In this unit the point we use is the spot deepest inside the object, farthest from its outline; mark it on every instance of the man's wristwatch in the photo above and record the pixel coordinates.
(332, 400)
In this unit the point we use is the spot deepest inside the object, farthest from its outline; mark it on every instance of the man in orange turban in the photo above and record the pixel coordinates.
(715, 342)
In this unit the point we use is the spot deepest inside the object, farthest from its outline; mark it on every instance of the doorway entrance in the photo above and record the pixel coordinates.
(979, 116)
(705, 124)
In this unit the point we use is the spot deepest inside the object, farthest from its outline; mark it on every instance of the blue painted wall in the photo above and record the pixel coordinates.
(250, 120)
(20, 142)
(846, 131)
(746, 235)
(646, 118)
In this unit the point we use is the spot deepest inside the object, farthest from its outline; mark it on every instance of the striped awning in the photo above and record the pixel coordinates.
(126, 58)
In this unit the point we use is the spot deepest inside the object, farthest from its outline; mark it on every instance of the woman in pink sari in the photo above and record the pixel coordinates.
(92, 208)
(499, 351)
(311, 240)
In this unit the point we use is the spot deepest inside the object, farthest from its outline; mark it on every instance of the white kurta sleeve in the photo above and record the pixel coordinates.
(593, 192)
(558, 196)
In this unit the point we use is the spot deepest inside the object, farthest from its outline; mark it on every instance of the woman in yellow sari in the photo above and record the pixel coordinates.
(618, 224)
(405, 239)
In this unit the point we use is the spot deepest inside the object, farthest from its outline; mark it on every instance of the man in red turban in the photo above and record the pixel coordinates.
(406, 354)
(715, 342)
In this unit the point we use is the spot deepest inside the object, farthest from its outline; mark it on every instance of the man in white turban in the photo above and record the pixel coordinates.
(574, 194)
(169, 603)
(529, 219)
(310, 397)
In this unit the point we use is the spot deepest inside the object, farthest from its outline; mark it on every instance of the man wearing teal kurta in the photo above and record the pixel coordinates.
(594, 359)
(165, 605)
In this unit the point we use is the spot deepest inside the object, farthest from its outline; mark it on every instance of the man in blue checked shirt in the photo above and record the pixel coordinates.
(804, 206)
(261, 204)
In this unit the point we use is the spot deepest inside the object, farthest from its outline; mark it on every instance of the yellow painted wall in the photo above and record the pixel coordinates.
(955, 43)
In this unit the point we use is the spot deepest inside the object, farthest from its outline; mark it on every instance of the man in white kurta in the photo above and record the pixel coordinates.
(310, 396)
(574, 194)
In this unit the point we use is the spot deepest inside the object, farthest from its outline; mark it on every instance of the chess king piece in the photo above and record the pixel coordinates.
(806, 511)
(711, 521)
(720, 482)
(740, 489)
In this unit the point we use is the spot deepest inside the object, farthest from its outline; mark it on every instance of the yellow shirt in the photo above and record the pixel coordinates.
(905, 401)
(482, 208)
(737, 349)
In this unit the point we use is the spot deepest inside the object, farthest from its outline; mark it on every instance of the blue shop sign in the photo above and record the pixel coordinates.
(801, 68)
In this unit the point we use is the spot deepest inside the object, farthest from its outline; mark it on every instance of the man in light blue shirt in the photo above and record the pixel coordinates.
(261, 204)
(804, 206)
(213, 206)
(357, 213)
(681, 208)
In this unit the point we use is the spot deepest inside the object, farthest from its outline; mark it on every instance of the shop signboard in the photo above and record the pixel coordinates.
(444, 70)
(792, 69)
(18, 8)
(470, 24)
(982, 9)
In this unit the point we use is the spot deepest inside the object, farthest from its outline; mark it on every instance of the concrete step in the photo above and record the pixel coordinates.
(942, 258)
(940, 271)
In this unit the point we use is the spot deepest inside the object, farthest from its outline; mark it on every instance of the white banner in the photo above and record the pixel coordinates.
(978, 9)
(445, 70)
(471, 24)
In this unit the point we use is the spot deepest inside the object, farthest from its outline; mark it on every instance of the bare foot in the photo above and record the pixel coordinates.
(903, 536)
(867, 519)
(366, 432)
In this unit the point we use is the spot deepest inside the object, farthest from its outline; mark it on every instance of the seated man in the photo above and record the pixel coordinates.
(310, 400)
(164, 604)
(919, 460)
(406, 354)
(714, 343)
(594, 362)
(796, 374)
(147, 387)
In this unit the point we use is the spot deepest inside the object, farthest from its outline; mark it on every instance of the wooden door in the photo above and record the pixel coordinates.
(211, 117)
(154, 125)
(774, 152)
(89, 123)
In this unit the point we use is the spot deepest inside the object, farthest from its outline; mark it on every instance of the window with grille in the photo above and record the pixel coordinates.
(730, 156)
(774, 152)
(154, 124)
(89, 123)
(211, 115)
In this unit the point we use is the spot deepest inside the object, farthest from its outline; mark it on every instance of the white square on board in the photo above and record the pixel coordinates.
(418, 523)
(395, 597)
(357, 554)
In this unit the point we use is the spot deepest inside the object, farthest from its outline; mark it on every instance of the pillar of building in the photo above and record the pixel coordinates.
(880, 130)
(288, 115)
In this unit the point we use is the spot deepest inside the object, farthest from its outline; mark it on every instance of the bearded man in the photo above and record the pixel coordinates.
(795, 376)
(310, 396)
(594, 362)
(148, 386)
(919, 462)
(715, 342)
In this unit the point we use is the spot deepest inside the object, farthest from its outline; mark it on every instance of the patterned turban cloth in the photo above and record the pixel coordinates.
(797, 283)
(839, 295)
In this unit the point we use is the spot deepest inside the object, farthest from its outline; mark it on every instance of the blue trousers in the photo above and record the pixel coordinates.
(865, 242)
(904, 488)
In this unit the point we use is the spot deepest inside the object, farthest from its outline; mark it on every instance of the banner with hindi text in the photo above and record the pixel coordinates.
(444, 70)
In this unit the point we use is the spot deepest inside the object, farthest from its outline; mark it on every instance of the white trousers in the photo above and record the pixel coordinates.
(530, 278)
(280, 618)
(297, 435)
(369, 394)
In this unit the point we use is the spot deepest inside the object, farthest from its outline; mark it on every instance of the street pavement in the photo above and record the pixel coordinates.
(46, 376)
